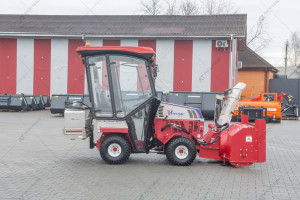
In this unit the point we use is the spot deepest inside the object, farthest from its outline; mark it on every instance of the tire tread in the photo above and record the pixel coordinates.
(171, 147)
(118, 139)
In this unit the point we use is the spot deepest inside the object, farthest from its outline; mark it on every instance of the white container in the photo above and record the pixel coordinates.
(75, 122)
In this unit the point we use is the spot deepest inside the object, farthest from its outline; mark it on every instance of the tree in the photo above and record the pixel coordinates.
(171, 7)
(258, 37)
(151, 7)
(212, 7)
(294, 49)
(189, 7)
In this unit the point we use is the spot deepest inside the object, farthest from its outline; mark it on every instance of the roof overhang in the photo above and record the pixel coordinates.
(241, 38)
(83, 35)
(259, 69)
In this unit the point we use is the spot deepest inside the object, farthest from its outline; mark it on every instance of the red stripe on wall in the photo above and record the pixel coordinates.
(147, 43)
(219, 68)
(8, 66)
(42, 66)
(183, 65)
(111, 42)
(75, 68)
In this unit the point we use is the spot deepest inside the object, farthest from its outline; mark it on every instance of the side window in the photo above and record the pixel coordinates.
(100, 86)
(130, 83)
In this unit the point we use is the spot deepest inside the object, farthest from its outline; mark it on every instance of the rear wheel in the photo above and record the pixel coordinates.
(115, 149)
(181, 151)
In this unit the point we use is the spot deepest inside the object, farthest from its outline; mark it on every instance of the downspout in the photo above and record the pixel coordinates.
(230, 62)
(83, 38)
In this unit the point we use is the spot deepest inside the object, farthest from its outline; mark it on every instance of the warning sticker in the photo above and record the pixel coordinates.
(248, 138)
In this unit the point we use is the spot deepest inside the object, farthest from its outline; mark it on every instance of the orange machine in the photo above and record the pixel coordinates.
(272, 111)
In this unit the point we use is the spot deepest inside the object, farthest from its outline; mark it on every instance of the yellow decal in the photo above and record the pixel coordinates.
(248, 138)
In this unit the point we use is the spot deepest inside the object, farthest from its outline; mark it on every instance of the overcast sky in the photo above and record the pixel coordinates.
(283, 15)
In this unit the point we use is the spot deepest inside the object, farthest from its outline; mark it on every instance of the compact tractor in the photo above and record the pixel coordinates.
(131, 119)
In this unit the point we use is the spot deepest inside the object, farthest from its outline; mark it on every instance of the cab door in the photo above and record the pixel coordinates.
(133, 97)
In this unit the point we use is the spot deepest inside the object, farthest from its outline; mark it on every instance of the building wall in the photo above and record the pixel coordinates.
(255, 80)
(48, 66)
(270, 75)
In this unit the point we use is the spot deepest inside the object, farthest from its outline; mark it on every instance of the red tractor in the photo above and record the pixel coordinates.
(131, 119)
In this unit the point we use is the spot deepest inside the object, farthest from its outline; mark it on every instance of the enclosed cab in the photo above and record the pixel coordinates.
(128, 114)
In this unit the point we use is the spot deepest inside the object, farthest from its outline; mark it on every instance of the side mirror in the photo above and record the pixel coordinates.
(154, 69)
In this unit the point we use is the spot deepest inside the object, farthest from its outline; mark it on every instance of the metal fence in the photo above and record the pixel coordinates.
(289, 86)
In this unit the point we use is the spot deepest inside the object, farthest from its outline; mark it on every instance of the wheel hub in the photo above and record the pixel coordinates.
(114, 150)
(181, 152)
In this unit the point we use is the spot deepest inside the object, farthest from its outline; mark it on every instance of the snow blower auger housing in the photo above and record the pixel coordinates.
(130, 119)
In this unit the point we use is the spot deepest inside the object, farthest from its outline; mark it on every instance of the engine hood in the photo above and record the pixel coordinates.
(178, 112)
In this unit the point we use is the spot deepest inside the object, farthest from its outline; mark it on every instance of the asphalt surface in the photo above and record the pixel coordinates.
(38, 162)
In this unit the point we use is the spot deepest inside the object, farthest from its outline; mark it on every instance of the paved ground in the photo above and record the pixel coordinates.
(38, 162)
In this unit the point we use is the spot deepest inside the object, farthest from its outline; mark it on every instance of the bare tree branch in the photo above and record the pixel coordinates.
(212, 7)
(257, 30)
(171, 7)
(294, 49)
(258, 37)
(150, 7)
(229, 8)
(189, 7)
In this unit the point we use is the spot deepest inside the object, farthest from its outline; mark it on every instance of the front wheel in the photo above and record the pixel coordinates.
(115, 149)
(181, 151)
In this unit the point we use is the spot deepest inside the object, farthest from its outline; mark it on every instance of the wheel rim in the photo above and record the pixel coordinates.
(181, 152)
(114, 150)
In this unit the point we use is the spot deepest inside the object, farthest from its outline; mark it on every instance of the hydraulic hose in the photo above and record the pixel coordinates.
(217, 138)
(181, 128)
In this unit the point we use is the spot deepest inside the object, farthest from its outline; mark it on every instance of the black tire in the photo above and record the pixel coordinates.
(172, 148)
(109, 143)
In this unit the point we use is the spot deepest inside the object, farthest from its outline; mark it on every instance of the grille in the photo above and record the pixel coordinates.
(160, 111)
(194, 113)
(190, 114)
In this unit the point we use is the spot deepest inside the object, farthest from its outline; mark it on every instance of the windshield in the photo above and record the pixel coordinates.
(130, 84)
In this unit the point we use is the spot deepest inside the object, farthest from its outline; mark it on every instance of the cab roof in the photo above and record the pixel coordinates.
(142, 52)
